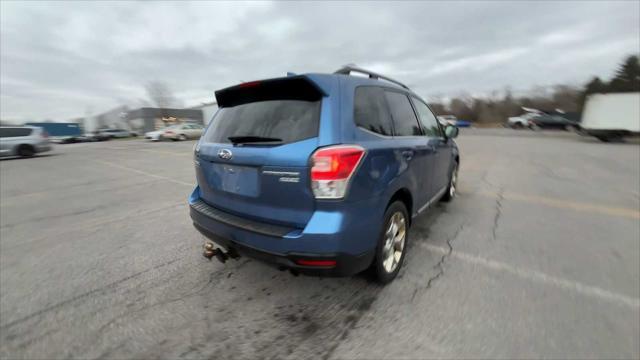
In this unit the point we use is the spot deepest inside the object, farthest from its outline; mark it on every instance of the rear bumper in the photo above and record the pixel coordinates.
(346, 264)
(282, 247)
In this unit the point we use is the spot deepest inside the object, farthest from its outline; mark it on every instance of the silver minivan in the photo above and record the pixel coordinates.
(23, 141)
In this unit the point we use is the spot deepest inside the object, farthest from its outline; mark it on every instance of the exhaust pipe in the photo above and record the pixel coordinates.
(222, 257)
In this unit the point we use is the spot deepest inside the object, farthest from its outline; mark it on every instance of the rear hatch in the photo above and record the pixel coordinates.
(253, 160)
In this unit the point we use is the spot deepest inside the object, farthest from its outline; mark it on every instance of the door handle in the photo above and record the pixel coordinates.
(407, 154)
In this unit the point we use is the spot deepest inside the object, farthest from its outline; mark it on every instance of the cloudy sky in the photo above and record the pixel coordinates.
(66, 59)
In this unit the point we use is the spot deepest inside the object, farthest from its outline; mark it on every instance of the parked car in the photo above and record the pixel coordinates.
(522, 121)
(546, 121)
(462, 123)
(453, 120)
(114, 133)
(157, 134)
(447, 119)
(94, 136)
(176, 132)
(184, 132)
(612, 116)
(320, 173)
(24, 141)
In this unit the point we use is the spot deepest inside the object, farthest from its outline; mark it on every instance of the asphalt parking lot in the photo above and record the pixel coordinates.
(539, 256)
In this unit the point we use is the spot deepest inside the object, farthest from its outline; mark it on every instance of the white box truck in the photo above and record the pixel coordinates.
(612, 116)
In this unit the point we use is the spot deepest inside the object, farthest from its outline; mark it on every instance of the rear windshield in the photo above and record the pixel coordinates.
(287, 120)
(15, 132)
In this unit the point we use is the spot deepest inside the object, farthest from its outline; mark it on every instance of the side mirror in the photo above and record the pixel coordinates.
(451, 131)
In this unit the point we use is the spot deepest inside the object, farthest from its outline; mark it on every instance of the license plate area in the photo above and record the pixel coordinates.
(234, 179)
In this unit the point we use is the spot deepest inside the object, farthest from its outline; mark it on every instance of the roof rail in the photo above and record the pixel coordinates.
(349, 68)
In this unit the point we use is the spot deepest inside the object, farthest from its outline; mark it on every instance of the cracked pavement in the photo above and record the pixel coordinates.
(496, 218)
(539, 256)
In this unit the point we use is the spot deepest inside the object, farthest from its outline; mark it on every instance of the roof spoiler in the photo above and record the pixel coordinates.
(289, 88)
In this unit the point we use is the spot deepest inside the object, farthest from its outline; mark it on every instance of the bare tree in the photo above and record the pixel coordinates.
(566, 97)
(160, 94)
(461, 109)
(438, 108)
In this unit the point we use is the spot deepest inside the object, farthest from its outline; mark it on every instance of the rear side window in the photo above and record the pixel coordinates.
(14, 132)
(404, 119)
(370, 111)
(427, 119)
(287, 120)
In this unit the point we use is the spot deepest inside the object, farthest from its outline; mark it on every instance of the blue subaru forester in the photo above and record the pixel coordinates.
(320, 173)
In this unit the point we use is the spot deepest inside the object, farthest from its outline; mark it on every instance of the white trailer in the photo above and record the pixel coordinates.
(612, 116)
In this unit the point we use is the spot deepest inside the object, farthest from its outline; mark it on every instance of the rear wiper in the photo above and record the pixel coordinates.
(252, 139)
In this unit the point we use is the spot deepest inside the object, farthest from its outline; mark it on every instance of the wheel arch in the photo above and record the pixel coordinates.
(403, 195)
(25, 146)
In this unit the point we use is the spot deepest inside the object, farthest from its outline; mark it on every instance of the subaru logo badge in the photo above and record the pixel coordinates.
(225, 154)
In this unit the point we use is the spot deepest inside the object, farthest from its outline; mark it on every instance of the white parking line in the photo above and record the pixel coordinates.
(536, 276)
(146, 173)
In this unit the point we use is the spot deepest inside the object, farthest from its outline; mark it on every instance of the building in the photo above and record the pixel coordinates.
(208, 110)
(112, 119)
(149, 119)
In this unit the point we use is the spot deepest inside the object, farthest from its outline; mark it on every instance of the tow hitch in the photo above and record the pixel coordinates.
(210, 251)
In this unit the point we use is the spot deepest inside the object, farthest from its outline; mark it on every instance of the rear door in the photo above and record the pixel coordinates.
(412, 146)
(437, 142)
(6, 140)
(253, 160)
(10, 137)
(559, 121)
(544, 121)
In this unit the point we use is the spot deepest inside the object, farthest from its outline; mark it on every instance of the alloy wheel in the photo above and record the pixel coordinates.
(394, 242)
(454, 181)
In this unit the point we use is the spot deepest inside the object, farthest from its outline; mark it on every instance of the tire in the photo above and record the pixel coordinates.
(182, 137)
(453, 182)
(26, 151)
(385, 265)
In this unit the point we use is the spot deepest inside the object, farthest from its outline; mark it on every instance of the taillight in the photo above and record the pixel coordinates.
(44, 134)
(319, 263)
(250, 84)
(168, 132)
(332, 168)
